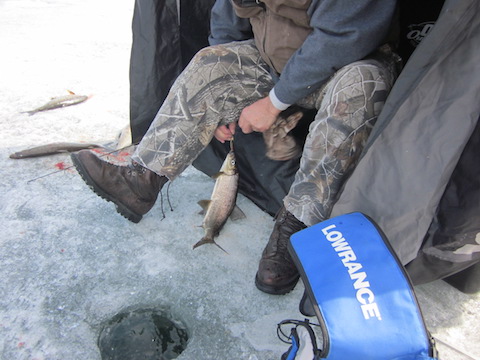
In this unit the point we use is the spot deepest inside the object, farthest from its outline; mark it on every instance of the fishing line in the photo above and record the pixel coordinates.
(168, 200)
(471, 357)
(51, 173)
(71, 166)
(168, 196)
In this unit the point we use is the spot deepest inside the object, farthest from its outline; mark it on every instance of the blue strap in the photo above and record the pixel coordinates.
(292, 352)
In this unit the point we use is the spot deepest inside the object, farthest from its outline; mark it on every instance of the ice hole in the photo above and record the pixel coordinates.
(142, 334)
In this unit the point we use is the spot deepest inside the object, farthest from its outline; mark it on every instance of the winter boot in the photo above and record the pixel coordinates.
(133, 189)
(277, 274)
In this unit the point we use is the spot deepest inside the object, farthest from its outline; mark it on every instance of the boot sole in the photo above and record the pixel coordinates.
(269, 289)
(121, 209)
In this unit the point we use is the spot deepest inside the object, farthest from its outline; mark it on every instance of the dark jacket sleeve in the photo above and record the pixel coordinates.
(343, 32)
(226, 26)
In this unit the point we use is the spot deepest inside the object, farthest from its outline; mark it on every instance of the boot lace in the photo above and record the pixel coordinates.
(136, 169)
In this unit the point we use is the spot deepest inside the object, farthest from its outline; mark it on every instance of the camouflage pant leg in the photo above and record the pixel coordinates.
(212, 90)
(348, 108)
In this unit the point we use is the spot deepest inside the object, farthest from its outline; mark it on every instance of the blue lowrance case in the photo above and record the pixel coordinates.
(360, 292)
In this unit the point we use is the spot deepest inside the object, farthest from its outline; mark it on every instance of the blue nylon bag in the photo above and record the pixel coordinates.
(360, 292)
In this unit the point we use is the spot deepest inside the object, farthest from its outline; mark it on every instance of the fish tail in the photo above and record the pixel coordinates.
(208, 240)
(204, 240)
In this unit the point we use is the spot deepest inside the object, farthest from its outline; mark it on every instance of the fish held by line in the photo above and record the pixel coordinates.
(59, 102)
(221, 205)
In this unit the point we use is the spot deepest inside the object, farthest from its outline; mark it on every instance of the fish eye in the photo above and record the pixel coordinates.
(232, 162)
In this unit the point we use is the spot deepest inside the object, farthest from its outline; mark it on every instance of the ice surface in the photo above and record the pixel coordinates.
(69, 262)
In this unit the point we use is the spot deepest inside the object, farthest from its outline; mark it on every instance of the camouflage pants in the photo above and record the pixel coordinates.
(221, 80)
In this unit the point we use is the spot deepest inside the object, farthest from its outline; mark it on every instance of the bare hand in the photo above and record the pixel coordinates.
(225, 132)
(259, 116)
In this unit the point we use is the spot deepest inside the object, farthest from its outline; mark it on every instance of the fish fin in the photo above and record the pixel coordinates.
(206, 240)
(70, 92)
(204, 204)
(221, 248)
(237, 214)
(217, 175)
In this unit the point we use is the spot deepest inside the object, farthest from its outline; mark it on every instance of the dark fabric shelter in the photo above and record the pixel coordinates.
(419, 177)
(164, 41)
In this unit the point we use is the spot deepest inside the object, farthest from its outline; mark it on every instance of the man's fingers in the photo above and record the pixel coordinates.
(258, 116)
(232, 127)
(245, 125)
(246, 128)
(223, 133)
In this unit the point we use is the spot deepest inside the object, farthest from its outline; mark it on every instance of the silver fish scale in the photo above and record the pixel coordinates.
(222, 203)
